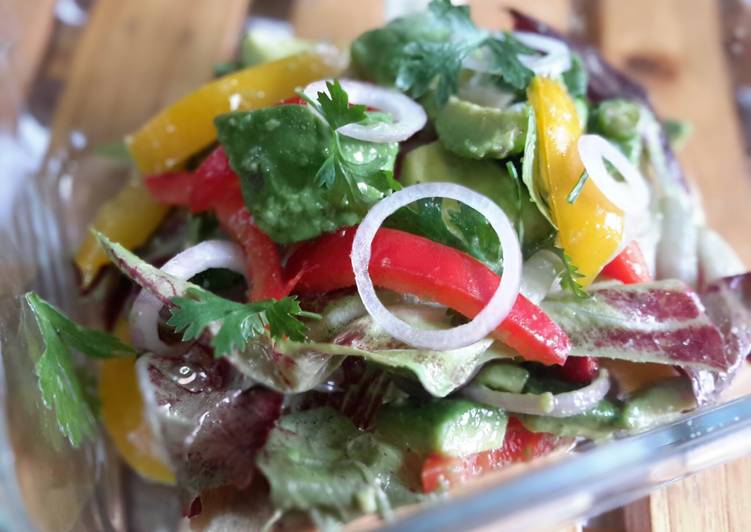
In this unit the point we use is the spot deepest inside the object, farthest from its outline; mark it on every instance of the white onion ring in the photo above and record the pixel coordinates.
(557, 58)
(560, 405)
(632, 195)
(488, 318)
(409, 116)
(144, 315)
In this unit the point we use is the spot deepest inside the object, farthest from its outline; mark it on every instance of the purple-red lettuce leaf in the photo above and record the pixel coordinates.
(728, 304)
(607, 82)
(662, 322)
(209, 420)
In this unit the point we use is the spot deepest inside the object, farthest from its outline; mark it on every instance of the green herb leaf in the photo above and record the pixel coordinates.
(571, 275)
(340, 172)
(59, 383)
(425, 52)
(504, 61)
(335, 106)
(238, 322)
(459, 227)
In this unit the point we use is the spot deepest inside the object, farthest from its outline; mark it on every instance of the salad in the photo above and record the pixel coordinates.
(351, 284)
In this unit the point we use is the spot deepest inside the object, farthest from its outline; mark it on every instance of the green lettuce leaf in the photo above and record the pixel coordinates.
(317, 461)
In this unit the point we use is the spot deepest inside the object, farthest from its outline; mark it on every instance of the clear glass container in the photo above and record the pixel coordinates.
(46, 200)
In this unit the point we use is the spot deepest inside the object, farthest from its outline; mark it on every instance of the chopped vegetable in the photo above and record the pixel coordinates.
(520, 445)
(661, 322)
(186, 127)
(277, 151)
(628, 266)
(426, 50)
(591, 229)
(415, 265)
(130, 218)
(317, 462)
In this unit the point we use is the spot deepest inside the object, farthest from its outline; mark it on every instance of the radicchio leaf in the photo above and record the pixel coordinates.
(662, 322)
(728, 304)
(209, 419)
(607, 82)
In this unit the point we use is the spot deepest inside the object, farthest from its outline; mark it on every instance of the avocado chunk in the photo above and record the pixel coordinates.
(503, 376)
(596, 424)
(455, 427)
(432, 162)
(477, 132)
(260, 46)
(657, 404)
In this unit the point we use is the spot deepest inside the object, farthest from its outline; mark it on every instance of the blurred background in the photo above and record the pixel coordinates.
(77, 74)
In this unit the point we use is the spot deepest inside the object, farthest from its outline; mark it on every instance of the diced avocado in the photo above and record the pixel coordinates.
(478, 132)
(432, 162)
(261, 46)
(616, 119)
(596, 424)
(455, 427)
(658, 403)
(503, 376)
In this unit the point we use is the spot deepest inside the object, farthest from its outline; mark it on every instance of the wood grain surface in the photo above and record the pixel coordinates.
(136, 56)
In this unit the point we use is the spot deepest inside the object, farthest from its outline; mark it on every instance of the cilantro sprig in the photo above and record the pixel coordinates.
(570, 275)
(238, 323)
(425, 64)
(339, 172)
(59, 383)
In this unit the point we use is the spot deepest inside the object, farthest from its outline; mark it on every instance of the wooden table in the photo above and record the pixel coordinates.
(133, 57)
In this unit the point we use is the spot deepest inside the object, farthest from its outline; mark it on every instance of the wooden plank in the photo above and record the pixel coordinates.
(25, 30)
(677, 53)
(134, 57)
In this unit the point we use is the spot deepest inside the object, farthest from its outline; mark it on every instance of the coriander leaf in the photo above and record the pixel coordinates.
(335, 106)
(571, 275)
(59, 383)
(326, 174)
(504, 61)
(238, 322)
(426, 63)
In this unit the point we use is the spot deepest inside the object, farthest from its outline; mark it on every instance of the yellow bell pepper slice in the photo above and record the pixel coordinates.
(187, 126)
(183, 129)
(128, 218)
(123, 415)
(590, 230)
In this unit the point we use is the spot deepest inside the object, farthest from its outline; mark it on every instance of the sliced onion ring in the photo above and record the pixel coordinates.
(144, 315)
(632, 195)
(557, 58)
(547, 404)
(488, 318)
(409, 116)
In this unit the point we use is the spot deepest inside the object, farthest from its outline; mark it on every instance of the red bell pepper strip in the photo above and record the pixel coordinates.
(519, 445)
(412, 264)
(262, 259)
(581, 370)
(172, 188)
(214, 186)
(628, 266)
